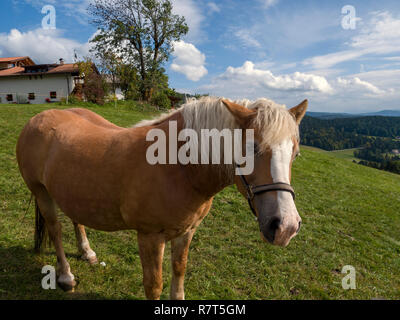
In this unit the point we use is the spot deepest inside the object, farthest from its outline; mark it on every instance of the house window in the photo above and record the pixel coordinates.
(53, 95)
(31, 96)
(10, 97)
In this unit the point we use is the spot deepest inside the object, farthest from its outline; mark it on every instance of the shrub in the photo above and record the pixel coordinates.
(161, 100)
(94, 88)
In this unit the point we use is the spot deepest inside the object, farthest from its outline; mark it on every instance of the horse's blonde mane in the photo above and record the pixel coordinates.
(273, 121)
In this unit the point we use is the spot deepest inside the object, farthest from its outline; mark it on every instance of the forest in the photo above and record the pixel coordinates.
(377, 138)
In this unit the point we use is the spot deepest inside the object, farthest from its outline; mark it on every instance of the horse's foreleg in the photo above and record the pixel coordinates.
(48, 211)
(151, 250)
(83, 244)
(179, 254)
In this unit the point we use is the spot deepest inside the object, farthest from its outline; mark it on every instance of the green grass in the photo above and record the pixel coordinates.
(350, 217)
(347, 154)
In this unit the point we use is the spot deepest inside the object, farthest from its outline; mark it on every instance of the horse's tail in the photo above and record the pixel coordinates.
(41, 234)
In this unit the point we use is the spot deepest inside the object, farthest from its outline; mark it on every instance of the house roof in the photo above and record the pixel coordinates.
(65, 68)
(27, 60)
(11, 71)
(56, 69)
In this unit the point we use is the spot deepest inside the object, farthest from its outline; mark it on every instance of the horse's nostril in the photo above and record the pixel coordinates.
(272, 227)
(298, 229)
(269, 229)
(274, 224)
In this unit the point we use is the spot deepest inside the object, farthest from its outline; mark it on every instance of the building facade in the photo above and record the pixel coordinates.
(23, 81)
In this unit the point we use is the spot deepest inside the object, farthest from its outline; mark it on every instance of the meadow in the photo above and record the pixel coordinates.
(351, 216)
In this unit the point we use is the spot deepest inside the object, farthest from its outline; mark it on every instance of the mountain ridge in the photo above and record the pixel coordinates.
(339, 115)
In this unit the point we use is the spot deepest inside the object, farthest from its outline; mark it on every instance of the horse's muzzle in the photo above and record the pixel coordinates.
(278, 233)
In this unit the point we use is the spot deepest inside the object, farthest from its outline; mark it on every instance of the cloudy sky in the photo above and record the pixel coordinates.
(286, 50)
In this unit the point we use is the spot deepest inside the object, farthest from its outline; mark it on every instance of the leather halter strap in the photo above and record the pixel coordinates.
(252, 191)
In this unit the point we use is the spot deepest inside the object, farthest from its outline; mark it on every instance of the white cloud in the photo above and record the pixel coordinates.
(329, 60)
(246, 38)
(361, 92)
(213, 7)
(188, 60)
(43, 46)
(388, 79)
(273, 32)
(392, 58)
(381, 35)
(193, 16)
(248, 80)
(355, 84)
(269, 3)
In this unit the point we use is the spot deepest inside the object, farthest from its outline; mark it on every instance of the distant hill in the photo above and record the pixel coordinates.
(347, 133)
(331, 115)
(384, 113)
(375, 136)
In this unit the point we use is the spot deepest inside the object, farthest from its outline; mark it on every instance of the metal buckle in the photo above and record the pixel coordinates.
(250, 194)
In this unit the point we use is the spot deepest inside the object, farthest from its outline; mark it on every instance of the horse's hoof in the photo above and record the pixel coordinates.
(67, 282)
(67, 287)
(92, 259)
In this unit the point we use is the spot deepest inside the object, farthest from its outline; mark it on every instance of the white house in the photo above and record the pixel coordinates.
(23, 81)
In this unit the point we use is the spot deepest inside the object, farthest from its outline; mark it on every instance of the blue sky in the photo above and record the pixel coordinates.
(285, 50)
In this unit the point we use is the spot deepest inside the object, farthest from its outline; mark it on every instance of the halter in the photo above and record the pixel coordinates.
(252, 191)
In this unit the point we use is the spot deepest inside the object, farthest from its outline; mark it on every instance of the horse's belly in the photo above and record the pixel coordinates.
(92, 204)
(86, 188)
(98, 215)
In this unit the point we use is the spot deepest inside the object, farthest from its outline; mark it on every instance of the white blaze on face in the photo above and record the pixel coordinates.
(280, 169)
(280, 161)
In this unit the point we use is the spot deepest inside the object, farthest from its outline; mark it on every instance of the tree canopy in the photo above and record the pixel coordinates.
(141, 33)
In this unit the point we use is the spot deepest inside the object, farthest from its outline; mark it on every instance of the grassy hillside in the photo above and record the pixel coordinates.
(350, 217)
(347, 154)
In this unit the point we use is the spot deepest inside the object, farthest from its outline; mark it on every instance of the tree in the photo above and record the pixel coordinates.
(109, 66)
(94, 87)
(129, 81)
(141, 32)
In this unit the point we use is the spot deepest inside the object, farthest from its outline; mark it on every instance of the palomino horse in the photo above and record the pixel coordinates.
(98, 175)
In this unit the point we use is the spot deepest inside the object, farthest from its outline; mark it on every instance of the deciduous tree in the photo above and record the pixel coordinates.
(141, 33)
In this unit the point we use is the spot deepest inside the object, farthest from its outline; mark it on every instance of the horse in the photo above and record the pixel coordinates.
(98, 175)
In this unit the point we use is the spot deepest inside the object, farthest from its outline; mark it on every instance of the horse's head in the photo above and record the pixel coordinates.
(276, 145)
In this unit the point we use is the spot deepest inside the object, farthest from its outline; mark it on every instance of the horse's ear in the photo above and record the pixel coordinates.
(242, 115)
(299, 111)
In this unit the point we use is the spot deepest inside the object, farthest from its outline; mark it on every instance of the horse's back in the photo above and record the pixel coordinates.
(93, 118)
(53, 132)
(34, 142)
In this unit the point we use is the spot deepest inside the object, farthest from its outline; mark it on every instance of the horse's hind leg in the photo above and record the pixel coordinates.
(47, 209)
(179, 253)
(83, 244)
